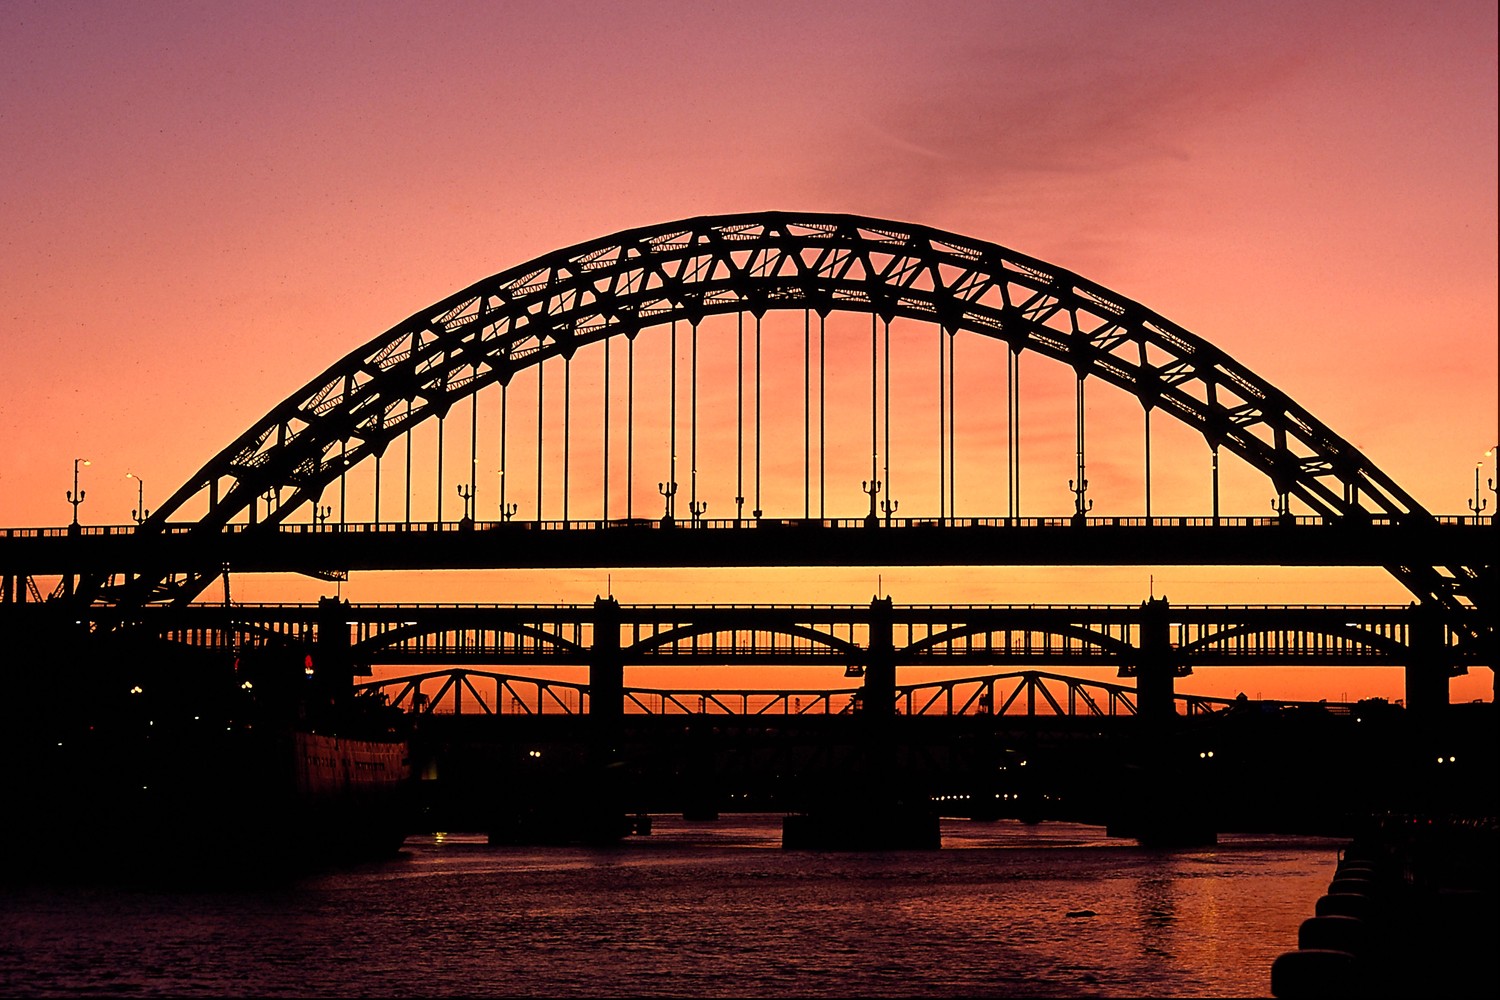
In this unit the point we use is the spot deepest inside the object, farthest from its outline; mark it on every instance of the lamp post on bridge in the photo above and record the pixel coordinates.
(1479, 504)
(1081, 506)
(668, 491)
(1490, 483)
(321, 515)
(889, 507)
(508, 511)
(1281, 503)
(467, 493)
(1494, 453)
(75, 495)
(140, 513)
(697, 507)
(870, 487)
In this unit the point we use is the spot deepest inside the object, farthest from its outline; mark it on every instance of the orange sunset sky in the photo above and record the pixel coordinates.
(207, 204)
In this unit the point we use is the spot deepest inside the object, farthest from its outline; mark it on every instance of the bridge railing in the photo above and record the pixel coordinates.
(652, 611)
(761, 524)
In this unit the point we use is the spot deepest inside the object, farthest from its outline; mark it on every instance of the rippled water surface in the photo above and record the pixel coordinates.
(699, 909)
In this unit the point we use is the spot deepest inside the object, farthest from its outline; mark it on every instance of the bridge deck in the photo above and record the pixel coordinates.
(933, 635)
(729, 543)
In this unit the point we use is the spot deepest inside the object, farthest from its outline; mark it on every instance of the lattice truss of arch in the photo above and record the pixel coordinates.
(687, 270)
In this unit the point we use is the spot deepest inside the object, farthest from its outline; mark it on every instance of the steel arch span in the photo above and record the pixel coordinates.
(759, 262)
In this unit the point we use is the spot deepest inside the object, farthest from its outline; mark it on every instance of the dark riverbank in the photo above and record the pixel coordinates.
(1410, 911)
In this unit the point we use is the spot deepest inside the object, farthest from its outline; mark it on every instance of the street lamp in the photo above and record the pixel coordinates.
(668, 491)
(1081, 504)
(1281, 503)
(1478, 504)
(75, 496)
(870, 487)
(1494, 453)
(140, 513)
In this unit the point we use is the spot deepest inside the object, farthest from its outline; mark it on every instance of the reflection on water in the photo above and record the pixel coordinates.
(700, 909)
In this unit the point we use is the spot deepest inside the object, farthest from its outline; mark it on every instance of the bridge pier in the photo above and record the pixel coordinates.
(1155, 800)
(871, 809)
(880, 668)
(333, 661)
(600, 815)
(1156, 669)
(1426, 667)
(606, 671)
(583, 799)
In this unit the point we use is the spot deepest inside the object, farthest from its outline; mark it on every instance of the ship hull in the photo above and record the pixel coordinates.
(353, 797)
(232, 804)
(134, 756)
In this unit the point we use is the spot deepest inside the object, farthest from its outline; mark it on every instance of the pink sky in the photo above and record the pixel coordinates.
(207, 204)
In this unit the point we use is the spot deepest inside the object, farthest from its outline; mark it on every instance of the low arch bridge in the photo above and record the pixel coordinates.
(1155, 643)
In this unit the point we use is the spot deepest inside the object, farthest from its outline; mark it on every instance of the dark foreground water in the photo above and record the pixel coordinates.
(698, 909)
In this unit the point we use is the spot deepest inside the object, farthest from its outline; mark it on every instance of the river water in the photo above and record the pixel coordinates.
(699, 910)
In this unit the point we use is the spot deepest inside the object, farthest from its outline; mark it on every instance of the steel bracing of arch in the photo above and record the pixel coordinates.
(754, 263)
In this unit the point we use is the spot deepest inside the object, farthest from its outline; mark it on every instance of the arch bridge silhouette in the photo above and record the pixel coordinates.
(331, 479)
